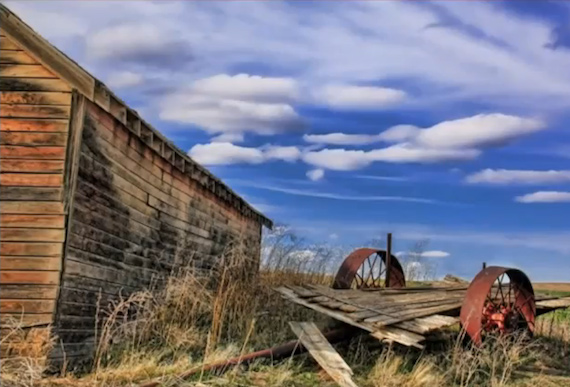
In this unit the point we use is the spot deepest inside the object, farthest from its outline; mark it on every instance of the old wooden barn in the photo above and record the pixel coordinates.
(94, 200)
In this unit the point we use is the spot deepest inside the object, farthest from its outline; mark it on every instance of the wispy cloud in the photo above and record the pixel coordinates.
(556, 241)
(383, 178)
(424, 254)
(511, 176)
(334, 196)
(545, 197)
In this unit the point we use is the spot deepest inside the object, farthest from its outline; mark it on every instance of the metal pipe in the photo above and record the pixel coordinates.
(388, 258)
(290, 348)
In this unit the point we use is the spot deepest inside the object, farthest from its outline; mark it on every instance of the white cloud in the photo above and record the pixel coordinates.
(341, 139)
(544, 197)
(333, 236)
(221, 153)
(129, 41)
(338, 159)
(399, 133)
(228, 137)
(248, 87)
(316, 174)
(435, 254)
(285, 153)
(348, 160)
(124, 79)
(238, 104)
(454, 140)
(407, 153)
(491, 53)
(477, 131)
(359, 97)
(224, 153)
(424, 254)
(511, 176)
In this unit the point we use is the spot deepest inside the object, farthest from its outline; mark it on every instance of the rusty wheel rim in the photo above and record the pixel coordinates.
(365, 268)
(498, 301)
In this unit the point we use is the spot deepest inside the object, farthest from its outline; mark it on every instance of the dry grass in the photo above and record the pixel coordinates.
(192, 320)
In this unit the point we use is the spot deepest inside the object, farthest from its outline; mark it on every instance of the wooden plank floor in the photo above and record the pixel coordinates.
(402, 315)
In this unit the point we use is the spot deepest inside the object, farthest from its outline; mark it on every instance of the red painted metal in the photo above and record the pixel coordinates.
(493, 305)
(352, 271)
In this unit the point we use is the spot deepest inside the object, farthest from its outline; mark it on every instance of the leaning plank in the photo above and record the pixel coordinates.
(323, 352)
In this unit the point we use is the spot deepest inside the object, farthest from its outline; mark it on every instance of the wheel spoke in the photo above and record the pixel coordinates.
(501, 290)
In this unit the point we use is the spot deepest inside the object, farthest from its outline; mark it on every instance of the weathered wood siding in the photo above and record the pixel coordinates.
(134, 218)
(34, 119)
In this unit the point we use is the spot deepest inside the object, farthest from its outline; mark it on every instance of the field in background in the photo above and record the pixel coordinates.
(160, 333)
(554, 288)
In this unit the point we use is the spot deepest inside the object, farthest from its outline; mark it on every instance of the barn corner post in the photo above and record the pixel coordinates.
(71, 169)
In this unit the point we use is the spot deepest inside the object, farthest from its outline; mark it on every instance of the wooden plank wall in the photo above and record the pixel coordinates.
(34, 118)
(134, 218)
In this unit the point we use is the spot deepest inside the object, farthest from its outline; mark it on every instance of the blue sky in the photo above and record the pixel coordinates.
(441, 120)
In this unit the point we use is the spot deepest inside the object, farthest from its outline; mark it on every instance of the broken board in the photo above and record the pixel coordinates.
(323, 352)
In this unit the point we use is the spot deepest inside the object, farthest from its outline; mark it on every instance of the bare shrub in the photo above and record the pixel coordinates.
(491, 364)
(394, 370)
(29, 348)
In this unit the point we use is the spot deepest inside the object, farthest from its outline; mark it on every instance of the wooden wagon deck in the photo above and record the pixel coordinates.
(405, 315)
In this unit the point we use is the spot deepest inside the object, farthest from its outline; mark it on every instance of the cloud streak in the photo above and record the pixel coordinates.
(523, 177)
(545, 197)
(335, 196)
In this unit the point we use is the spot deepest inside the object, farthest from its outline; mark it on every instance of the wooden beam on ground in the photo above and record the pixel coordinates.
(323, 352)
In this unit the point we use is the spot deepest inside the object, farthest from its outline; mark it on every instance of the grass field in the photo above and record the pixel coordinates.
(191, 322)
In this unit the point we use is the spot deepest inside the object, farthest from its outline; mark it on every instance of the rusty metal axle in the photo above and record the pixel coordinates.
(291, 348)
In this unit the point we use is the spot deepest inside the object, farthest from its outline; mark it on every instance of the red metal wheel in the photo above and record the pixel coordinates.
(498, 300)
(365, 268)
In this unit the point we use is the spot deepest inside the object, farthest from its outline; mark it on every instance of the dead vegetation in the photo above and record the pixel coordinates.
(192, 321)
